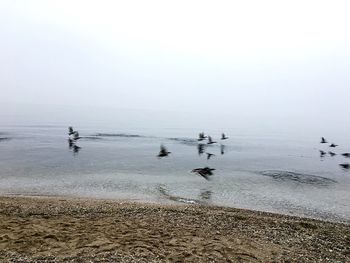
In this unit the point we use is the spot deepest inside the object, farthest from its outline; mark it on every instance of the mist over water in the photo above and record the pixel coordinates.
(265, 169)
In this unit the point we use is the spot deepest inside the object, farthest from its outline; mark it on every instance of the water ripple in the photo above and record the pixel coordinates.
(125, 135)
(162, 190)
(302, 178)
(186, 141)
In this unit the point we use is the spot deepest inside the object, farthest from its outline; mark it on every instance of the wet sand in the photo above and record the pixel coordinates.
(43, 229)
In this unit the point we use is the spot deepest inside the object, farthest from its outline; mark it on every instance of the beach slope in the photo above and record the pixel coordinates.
(43, 229)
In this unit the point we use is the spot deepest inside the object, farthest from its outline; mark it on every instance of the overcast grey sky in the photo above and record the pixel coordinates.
(260, 58)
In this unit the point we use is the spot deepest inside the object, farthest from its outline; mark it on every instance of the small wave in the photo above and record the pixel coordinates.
(118, 135)
(187, 141)
(299, 177)
(165, 193)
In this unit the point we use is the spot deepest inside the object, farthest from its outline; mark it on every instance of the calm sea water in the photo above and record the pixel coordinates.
(263, 172)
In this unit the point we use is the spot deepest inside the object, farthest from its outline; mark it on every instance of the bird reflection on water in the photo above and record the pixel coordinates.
(72, 146)
(206, 194)
(322, 153)
(201, 148)
(332, 153)
(76, 149)
(222, 149)
(70, 143)
(209, 155)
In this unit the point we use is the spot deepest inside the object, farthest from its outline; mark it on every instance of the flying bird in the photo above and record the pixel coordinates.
(204, 172)
(345, 165)
(322, 153)
(332, 153)
(323, 140)
(346, 155)
(223, 137)
(163, 152)
(333, 145)
(210, 140)
(70, 130)
(201, 136)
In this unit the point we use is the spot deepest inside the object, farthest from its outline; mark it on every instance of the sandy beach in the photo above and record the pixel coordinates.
(43, 229)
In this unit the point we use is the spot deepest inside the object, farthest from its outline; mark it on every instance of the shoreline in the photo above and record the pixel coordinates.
(57, 229)
(172, 202)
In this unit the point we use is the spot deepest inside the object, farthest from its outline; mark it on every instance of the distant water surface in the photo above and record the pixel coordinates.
(263, 172)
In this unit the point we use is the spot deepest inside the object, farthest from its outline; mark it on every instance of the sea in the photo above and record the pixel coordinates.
(273, 172)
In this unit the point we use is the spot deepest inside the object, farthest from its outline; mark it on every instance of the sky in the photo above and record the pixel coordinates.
(273, 60)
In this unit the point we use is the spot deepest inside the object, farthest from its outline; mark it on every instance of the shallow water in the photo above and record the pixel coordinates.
(269, 173)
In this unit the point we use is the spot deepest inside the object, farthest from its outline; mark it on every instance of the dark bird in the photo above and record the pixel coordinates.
(333, 145)
(201, 136)
(70, 130)
(209, 155)
(223, 137)
(76, 149)
(210, 140)
(222, 149)
(346, 155)
(163, 152)
(332, 153)
(73, 146)
(323, 140)
(70, 143)
(345, 165)
(322, 153)
(76, 136)
(200, 148)
(204, 172)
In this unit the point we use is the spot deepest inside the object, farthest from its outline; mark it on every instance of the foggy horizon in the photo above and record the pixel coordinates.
(269, 61)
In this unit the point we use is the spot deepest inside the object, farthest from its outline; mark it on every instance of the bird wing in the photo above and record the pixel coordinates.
(163, 149)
